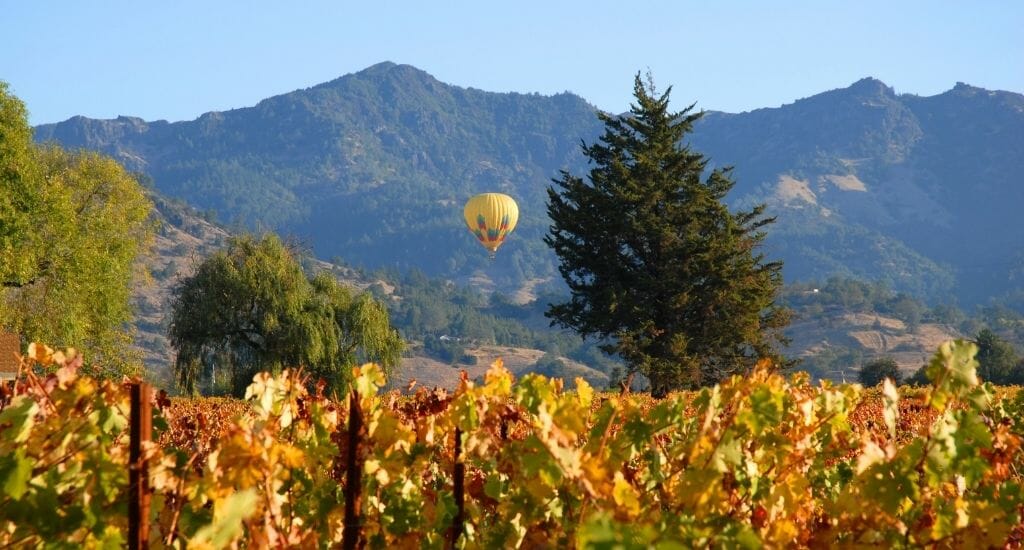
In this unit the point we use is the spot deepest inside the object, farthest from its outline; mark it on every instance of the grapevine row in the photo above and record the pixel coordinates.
(763, 460)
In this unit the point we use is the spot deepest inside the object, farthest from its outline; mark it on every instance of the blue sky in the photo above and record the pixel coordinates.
(177, 60)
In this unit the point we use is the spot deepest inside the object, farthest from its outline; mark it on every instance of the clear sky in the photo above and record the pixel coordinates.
(177, 59)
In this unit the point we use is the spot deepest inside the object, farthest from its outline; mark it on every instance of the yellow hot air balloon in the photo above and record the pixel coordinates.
(491, 217)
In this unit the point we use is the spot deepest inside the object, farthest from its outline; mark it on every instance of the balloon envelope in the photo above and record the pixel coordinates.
(491, 217)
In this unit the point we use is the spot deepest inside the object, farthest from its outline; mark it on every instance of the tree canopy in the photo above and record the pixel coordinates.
(997, 360)
(655, 261)
(874, 372)
(71, 227)
(251, 307)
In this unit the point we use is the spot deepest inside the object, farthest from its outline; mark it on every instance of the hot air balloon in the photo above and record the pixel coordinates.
(491, 217)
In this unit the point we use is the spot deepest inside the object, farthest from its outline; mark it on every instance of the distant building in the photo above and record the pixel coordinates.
(10, 346)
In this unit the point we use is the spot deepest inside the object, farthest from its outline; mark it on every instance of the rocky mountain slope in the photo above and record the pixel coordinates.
(373, 167)
(875, 184)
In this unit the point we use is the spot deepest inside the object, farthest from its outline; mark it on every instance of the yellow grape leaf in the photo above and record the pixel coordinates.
(286, 414)
(368, 378)
(584, 392)
(40, 353)
(782, 531)
(372, 467)
(291, 457)
(626, 496)
(498, 379)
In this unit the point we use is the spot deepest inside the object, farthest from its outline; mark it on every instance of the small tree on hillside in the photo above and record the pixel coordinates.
(997, 360)
(251, 308)
(655, 261)
(874, 372)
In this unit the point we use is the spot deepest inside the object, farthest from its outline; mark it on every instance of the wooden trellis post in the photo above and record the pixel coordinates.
(138, 468)
(458, 480)
(353, 476)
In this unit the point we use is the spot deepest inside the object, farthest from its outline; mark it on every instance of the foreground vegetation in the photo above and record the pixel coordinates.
(761, 460)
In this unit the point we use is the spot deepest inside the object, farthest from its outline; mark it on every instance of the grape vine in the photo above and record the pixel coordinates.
(762, 460)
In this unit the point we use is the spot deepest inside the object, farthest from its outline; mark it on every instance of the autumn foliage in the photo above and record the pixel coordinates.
(758, 461)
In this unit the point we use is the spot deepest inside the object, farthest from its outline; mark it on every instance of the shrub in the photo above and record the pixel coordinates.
(874, 372)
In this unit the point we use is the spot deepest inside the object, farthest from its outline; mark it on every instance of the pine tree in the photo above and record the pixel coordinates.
(657, 265)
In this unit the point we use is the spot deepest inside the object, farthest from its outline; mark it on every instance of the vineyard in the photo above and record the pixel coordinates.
(761, 461)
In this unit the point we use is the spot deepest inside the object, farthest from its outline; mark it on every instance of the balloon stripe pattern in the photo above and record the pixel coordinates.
(491, 217)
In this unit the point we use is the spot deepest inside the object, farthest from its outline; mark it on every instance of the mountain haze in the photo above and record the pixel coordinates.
(374, 167)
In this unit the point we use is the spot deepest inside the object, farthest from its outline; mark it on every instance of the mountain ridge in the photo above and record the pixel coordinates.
(371, 166)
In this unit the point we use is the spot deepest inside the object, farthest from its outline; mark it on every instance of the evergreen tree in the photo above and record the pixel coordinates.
(657, 265)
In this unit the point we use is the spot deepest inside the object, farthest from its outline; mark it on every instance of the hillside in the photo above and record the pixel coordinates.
(834, 331)
(918, 191)
(373, 167)
(835, 344)
(184, 238)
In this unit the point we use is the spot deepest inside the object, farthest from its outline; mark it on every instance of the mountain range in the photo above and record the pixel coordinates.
(373, 168)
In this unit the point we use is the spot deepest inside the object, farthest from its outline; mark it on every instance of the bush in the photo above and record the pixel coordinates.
(874, 372)
(920, 377)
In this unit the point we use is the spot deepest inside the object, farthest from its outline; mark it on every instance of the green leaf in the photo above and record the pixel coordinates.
(16, 470)
(20, 414)
(112, 539)
(493, 486)
(890, 485)
(228, 518)
(766, 406)
(953, 371)
(728, 455)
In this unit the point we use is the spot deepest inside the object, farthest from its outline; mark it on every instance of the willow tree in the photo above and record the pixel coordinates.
(72, 225)
(656, 263)
(251, 308)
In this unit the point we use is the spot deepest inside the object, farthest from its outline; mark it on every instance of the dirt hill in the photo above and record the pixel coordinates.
(870, 335)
